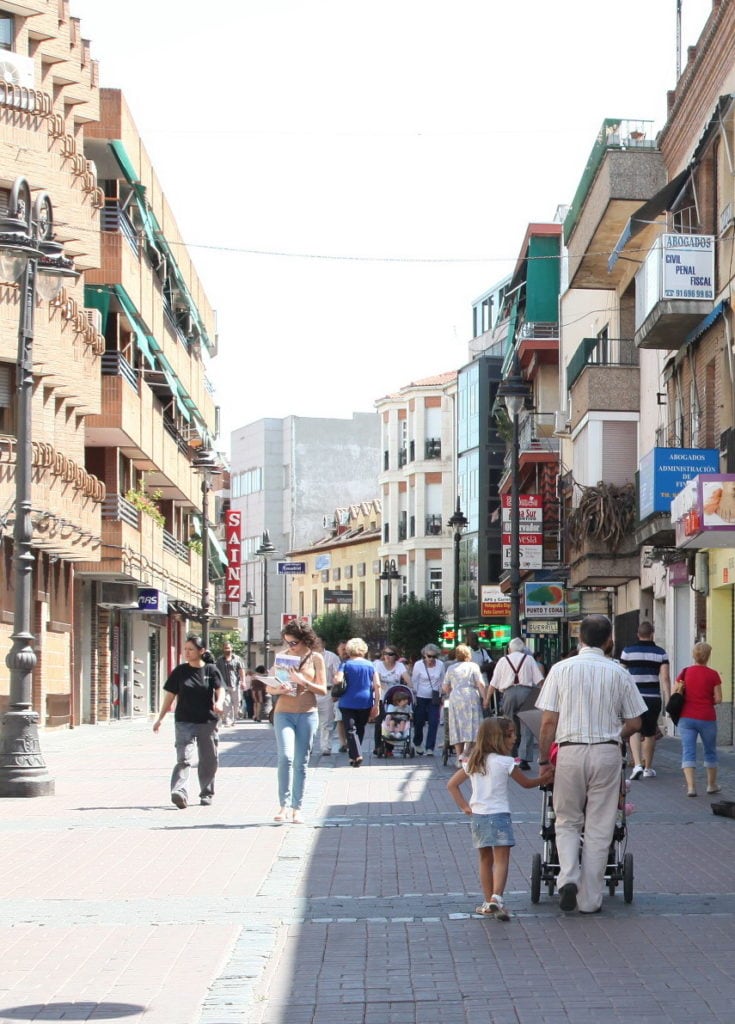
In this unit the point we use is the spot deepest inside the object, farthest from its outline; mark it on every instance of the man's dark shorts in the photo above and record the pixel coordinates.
(649, 719)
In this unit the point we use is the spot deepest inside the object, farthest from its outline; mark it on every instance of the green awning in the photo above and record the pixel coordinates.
(98, 298)
(217, 556)
(126, 165)
(141, 338)
(175, 386)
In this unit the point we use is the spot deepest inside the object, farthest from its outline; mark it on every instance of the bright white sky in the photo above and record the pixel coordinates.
(389, 132)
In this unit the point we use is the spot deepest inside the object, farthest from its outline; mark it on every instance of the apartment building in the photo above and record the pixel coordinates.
(419, 487)
(48, 95)
(121, 401)
(648, 392)
(157, 412)
(285, 473)
(342, 565)
(531, 307)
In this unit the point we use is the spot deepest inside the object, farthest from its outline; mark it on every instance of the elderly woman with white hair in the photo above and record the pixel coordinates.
(427, 679)
(515, 677)
(360, 702)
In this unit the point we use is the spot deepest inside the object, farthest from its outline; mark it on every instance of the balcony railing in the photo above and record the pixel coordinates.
(175, 547)
(403, 530)
(173, 432)
(114, 219)
(434, 597)
(601, 352)
(402, 457)
(433, 448)
(538, 331)
(114, 364)
(433, 526)
(119, 509)
(536, 433)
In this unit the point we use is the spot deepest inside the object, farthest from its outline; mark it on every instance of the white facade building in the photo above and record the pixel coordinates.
(285, 473)
(418, 488)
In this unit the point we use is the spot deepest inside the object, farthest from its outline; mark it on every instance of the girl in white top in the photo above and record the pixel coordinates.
(489, 767)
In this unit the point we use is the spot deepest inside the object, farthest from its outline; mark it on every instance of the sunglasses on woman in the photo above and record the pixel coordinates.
(390, 654)
(292, 643)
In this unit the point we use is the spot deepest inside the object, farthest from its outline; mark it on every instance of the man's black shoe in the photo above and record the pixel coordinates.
(568, 897)
(524, 766)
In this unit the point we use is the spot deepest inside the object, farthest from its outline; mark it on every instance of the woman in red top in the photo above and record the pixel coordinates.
(702, 688)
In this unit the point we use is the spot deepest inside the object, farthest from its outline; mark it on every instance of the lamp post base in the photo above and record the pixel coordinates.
(23, 771)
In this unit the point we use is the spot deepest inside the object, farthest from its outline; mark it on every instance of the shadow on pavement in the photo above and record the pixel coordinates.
(70, 1011)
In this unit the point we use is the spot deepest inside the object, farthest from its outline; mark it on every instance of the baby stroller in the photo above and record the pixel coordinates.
(619, 868)
(397, 726)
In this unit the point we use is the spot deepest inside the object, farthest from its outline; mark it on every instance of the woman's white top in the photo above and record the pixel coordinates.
(426, 680)
(389, 676)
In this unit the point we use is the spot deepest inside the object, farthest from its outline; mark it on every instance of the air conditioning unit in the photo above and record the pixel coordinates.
(562, 424)
(94, 317)
(701, 573)
(16, 70)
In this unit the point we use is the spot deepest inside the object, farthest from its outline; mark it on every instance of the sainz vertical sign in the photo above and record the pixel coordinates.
(233, 548)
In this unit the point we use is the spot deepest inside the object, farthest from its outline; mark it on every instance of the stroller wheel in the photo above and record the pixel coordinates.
(536, 878)
(628, 878)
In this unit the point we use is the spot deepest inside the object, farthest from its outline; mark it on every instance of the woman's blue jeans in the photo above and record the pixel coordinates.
(689, 729)
(295, 731)
(425, 712)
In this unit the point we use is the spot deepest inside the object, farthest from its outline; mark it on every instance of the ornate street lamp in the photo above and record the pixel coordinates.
(30, 256)
(389, 574)
(205, 462)
(458, 523)
(249, 607)
(266, 549)
(514, 392)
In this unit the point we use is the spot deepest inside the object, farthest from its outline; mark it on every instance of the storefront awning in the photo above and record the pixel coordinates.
(664, 199)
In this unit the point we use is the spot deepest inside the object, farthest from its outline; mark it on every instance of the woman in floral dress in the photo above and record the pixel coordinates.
(463, 682)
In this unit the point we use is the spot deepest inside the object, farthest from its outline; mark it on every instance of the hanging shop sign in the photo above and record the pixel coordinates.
(544, 600)
(494, 604)
(703, 513)
(233, 552)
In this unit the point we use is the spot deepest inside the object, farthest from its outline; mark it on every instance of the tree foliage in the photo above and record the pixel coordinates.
(414, 625)
(217, 641)
(333, 627)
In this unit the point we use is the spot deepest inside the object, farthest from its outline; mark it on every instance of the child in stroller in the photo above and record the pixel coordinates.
(396, 727)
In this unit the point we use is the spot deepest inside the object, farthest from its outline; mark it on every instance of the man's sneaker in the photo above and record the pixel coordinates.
(206, 800)
(429, 753)
(649, 773)
(179, 799)
(419, 750)
(637, 772)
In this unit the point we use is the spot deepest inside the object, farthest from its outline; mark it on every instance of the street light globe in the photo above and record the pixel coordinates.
(48, 285)
(12, 264)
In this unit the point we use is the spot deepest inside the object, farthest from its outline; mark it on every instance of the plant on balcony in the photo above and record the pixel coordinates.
(605, 513)
(146, 503)
(195, 544)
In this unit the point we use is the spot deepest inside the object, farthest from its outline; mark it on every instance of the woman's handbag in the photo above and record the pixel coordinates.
(436, 698)
(675, 703)
(339, 690)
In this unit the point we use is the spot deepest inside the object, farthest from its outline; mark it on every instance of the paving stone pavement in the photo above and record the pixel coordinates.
(117, 906)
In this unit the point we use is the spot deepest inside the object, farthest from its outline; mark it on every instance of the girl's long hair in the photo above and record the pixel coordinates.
(490, 740)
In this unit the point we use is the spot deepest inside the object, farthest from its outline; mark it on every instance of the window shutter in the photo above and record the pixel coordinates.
(619, 451)
(6, 390)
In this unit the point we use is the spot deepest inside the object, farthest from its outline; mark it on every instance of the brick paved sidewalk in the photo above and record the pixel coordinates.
(117, 906)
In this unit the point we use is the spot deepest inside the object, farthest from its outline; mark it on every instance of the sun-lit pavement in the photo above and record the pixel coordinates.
(117, 906)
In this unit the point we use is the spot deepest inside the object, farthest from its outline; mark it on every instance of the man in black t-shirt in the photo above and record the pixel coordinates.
(199, 693)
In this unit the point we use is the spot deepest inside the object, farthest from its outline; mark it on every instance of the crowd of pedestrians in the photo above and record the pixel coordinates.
(588, 706)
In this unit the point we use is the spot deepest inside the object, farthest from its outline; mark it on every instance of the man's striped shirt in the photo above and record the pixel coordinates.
(644, 660)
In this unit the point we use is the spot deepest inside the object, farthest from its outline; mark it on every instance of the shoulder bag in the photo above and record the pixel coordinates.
(675, 703)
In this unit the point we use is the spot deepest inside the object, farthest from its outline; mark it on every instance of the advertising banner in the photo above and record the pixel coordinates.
(688, 267)
(494, 604)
